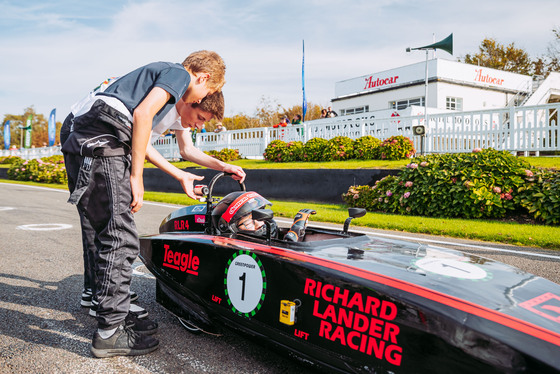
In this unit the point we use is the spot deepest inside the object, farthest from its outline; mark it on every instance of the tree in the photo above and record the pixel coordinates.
(267, 114)
(540, 67)
(313, 112)
(553, 53)
(497, 56)
(238, 121)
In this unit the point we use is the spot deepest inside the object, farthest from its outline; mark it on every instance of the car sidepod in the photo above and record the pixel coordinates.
(361, 304)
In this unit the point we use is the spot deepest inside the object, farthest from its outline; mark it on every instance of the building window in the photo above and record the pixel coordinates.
(403, 104)
(454, 103)
(349, 111)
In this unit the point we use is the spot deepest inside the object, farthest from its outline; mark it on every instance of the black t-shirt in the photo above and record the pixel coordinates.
(133, 87)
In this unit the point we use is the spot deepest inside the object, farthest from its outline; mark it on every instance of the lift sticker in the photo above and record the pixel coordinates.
(452, 268)
(546, 305)
(245, 283)
(354, 320)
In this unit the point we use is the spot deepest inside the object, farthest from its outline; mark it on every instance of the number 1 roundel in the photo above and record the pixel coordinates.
(245, 283)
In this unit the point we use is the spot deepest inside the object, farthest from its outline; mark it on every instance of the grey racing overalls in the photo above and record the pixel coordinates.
(96, 148)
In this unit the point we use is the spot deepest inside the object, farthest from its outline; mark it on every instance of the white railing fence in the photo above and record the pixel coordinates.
(31, 153)
(531, 129)
(527, 129)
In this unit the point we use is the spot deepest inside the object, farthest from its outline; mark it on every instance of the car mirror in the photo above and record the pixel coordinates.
(353, 213)
(262, 214)
(356, 212)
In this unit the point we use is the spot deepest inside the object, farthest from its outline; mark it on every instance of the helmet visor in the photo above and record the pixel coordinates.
(243, 206)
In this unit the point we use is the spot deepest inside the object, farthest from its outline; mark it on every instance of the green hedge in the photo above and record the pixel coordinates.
(340, 148)
(7, 160)
(482, 184)
(225, 155)
(367, 148)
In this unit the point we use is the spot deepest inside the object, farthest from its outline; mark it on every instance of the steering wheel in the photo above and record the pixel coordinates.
(210, 200)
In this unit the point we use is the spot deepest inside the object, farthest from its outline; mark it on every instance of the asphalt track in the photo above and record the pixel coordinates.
(43, 329)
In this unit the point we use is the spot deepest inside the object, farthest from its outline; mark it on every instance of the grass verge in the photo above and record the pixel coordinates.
(540, 162)
(486, 230)
(491, 231)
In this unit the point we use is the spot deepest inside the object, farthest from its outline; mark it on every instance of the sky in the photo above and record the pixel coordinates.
(52, 53)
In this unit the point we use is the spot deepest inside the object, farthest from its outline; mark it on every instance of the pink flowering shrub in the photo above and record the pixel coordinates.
(225, 155)
(279, 151)
(9, 159)
(315, 150)
(275, 151)
(376, 198)
(540, 195)
(45, 170)
(483, 184)
(397, 148)
(339, 148)
(295, 151)
(367, 148)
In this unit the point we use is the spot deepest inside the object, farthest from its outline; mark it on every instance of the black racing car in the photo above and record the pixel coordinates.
(350, 302)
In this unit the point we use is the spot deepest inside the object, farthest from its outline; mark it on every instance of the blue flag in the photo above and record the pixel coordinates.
(52, 127)
(304, 104)
(7, 139)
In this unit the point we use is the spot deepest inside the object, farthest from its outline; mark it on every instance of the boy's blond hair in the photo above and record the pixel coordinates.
(212, 103)
(207, 62)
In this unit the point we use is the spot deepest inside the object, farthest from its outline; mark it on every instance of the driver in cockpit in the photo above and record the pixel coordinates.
(233, 214)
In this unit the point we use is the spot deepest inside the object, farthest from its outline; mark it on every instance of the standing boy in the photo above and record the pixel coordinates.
(179, 119)
(105, 154)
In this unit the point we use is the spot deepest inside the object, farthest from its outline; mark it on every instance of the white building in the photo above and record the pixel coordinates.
(452, 86)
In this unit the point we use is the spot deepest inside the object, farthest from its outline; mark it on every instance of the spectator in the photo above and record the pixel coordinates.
(283, 123)
(203, 129)
(220, 128)
(331, 113)
(323, 113)
(296, 120)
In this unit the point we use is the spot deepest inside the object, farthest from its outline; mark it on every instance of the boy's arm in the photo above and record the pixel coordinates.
(142, 126)
(191, 153)
(186, 179)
